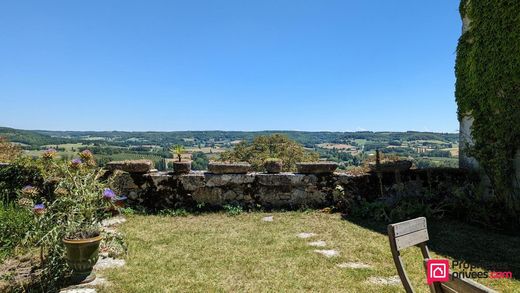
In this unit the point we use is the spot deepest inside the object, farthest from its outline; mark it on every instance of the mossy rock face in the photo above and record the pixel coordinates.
(229, 168)
(317, 167)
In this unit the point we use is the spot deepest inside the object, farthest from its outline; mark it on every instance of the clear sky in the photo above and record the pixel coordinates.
(340, 65)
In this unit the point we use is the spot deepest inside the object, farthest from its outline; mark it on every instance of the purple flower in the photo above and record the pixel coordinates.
(108, 193)
(39, 208)
(29, 190)
(75, 163)
(49, 154)
(86, 155)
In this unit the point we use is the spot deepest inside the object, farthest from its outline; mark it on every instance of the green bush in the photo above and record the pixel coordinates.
(17, 175)
(15, 222)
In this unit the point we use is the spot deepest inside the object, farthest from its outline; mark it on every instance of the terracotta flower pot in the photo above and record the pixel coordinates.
(181, 167)
(82, 255)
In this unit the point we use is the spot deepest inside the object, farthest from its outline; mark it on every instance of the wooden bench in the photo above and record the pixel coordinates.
(415, 233)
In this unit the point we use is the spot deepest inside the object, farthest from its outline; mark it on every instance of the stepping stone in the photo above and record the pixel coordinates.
(113, 221)
(87, 287)
(305, 235)
(327, 252)
(386, 281)
(78, 290)
(108, 263)
(267, 219)
(319, 243)
(353, 265)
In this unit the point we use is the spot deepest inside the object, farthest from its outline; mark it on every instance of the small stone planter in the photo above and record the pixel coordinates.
(317, 167)
(391, 166)
(181, 167)
(273, 166)
(229, 168)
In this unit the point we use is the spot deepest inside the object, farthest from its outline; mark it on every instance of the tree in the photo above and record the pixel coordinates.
(270, 146)
(199, 161)
(8, 150)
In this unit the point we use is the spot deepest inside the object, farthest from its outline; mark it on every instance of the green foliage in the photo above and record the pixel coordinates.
(272, 160)
(29, 137)
(177, 150)
(174, 212)
(199, 161)
(15, 222)
(233, 210)
(75, 210)
(464, 201)
(270, 146)
(17, 175)
(488, 89)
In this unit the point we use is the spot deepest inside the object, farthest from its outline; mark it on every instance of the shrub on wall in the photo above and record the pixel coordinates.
(488, 89)
(270, 146)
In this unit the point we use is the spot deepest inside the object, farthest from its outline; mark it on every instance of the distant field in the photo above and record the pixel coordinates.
(453, 151)
(67, 146)
(360, 141)
(206, 150)
(338, 146)
(130, 156)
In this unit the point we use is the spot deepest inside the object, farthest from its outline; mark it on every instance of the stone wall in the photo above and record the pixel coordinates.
(160, 190)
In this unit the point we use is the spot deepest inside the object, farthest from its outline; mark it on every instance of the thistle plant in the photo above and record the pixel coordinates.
(75, 210)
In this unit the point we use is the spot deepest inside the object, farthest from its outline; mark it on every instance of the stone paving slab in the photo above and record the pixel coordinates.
(305, 235)
(327, 252)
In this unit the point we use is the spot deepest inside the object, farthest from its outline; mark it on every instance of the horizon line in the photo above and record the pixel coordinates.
(265, 130)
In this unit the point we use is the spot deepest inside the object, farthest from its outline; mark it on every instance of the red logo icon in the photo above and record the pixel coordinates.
(437, 270)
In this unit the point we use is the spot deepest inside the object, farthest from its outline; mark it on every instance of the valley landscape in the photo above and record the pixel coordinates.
(348, 149)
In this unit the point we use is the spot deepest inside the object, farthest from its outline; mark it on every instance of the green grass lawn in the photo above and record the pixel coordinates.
(215, 252)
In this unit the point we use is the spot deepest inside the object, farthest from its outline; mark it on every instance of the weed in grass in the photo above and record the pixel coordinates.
(233, 210)
(174, 212)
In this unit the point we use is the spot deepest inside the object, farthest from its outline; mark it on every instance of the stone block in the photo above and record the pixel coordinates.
(131, 166)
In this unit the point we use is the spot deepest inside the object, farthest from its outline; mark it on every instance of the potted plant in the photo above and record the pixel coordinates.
(179, 166)
(273, 165)
(68, 223)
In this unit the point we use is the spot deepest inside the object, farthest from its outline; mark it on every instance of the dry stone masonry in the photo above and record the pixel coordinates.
(160, 190)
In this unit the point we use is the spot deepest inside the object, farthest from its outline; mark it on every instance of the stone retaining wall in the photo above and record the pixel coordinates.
(159, 190)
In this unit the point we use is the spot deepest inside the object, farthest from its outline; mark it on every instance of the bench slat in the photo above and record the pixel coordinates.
(465, 285)
(409, 226)
(411, 239)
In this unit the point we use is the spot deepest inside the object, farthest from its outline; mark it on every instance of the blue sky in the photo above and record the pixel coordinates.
(229, 65)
